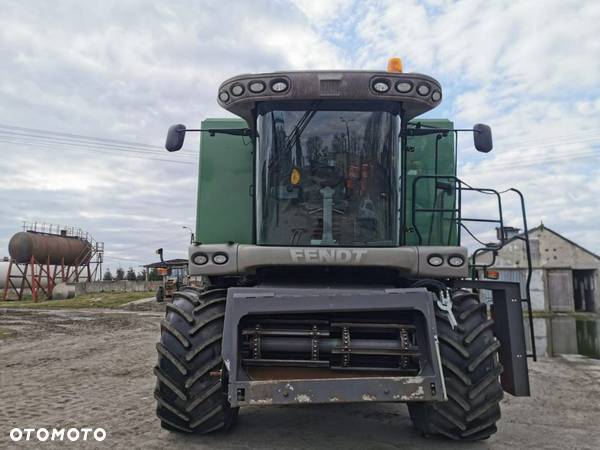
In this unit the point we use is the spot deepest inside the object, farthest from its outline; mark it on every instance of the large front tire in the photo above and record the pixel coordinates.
(190, 377)
(471, 371)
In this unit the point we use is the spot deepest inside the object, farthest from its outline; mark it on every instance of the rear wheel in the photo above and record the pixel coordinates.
(191, 381)
(471, 369)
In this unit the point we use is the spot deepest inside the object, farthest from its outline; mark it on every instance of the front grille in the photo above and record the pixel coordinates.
(352, 342)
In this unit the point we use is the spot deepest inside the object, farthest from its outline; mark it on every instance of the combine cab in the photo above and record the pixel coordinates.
(329, 238)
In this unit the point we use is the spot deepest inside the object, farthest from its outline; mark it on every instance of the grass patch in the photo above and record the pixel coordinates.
(575, 314)
(98, 300)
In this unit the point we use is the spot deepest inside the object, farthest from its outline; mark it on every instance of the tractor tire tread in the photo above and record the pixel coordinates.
(188, 397)
(469, 354)
(202, 306)
(177, 363)
(167, 326)
(170, 307)
(475, 332)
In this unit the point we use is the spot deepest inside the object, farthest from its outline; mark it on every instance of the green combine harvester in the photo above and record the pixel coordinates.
(328, 235)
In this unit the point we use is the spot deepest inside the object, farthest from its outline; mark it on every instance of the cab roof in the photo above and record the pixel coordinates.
(415, 93)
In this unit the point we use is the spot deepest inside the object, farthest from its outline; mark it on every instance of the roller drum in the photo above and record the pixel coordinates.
(52, 249)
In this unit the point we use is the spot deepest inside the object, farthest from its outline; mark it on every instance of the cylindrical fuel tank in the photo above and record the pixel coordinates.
(49, 248)
(4, 265)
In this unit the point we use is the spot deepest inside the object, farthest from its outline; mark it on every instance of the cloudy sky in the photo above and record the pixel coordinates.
(123, 71)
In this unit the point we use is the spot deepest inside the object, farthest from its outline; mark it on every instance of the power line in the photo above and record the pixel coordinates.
(47, 139)
(537, 161)
(116, 258)
(80, 137)
(590, 139)
(94, 150)
(84, 143)
(550, 140)
(584, 137)
(108, 147)
(146, 245)
(594, 131)
(555, 144)
(556, 139)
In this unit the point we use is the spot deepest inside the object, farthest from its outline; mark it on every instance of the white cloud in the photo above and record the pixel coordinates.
(126, 70)
(532, 71)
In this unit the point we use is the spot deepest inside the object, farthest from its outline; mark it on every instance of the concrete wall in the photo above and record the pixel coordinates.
(559, 290)
(118, 286)
(536, 289)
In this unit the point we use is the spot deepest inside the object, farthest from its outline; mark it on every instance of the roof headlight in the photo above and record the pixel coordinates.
(423, 89)
(404, 86)
(199, 259)
(381, 86)
(224, 96)
(220, 258)
(279, 85)
(435, 260)
(436, 96)
(237, 90)
(456, 260)
(256, 87)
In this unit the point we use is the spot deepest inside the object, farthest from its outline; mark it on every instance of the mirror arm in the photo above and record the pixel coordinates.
(176, 134)
(230, 131)
(427, 131)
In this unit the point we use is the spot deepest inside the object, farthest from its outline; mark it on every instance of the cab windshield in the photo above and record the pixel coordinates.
(327, 177)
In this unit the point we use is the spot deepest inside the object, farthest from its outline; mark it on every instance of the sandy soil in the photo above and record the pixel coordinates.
(94, 368)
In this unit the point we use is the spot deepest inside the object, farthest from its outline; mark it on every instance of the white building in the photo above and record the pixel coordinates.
(565, 275)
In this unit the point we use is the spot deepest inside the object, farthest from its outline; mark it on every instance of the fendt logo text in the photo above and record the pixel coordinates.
(57, 434)
(327, 255)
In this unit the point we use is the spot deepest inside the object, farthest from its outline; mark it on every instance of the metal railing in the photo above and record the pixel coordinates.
(458, 224)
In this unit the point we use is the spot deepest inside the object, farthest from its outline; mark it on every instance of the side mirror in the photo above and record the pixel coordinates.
(159, 252)
(482, 138)
(175, 137)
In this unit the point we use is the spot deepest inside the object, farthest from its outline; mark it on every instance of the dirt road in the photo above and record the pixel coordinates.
(94, 368)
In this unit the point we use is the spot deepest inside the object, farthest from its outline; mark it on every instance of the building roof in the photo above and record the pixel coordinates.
(542, 227)
(168, 263)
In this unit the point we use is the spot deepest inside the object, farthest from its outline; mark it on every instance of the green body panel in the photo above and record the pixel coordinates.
(224, 211)
(435, 228)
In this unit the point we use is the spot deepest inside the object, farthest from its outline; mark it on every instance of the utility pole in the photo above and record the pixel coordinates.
(191, 233)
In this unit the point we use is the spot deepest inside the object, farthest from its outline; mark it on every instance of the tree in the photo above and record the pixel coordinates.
(141, 276)
(130, 274)
(316, 152)
(107, 275)
(120, 274)
(153, 275)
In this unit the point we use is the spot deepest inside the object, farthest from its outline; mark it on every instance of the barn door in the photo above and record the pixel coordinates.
(560, 290)
(584, 288)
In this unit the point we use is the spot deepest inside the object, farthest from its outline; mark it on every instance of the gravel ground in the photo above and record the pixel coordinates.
(94, 368)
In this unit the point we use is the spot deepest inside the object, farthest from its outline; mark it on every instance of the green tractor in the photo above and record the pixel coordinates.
(328, 235)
